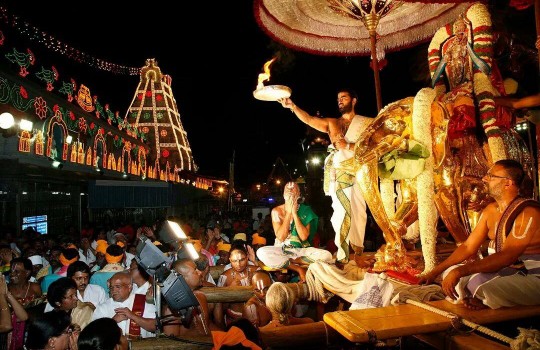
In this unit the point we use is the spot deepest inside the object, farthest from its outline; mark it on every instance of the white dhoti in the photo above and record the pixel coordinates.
(504, 288)
(277, 257)
(358, 219)
(349, 215)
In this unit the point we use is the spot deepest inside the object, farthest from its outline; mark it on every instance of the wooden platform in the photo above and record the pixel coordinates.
(368, 325)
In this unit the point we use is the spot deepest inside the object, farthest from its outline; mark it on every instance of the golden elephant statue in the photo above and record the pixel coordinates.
(408, 142)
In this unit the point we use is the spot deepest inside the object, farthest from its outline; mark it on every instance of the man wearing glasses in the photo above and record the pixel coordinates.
(134, 315)
(510, 274)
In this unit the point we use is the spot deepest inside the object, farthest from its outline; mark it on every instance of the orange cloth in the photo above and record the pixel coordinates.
(101, 246)
(121, 244)
(111, 259)
(233, 336)
(258, 240)
(71, 245)
(223, 246)
(196, 244)
(65, 262)
(157, 243)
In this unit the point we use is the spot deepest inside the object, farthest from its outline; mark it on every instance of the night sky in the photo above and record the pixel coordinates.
(214, 52)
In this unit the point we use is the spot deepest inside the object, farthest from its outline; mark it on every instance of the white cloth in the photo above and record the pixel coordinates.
(128, 259)
(500, 291)
(106, 309)
(89, 258)
(92, 294)
(354, 193)
(277, 257)
(142, 289)
(375, 291)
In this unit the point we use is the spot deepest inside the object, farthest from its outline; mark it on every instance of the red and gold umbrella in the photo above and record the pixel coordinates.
(353, 27)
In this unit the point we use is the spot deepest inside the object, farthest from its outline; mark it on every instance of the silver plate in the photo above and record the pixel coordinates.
(272, 92)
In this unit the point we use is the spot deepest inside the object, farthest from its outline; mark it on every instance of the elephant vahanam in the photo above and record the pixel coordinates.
(408, 142)
(438, 144)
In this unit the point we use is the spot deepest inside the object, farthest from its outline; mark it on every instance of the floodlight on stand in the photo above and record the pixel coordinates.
(150, 257)
(171, 233)
(187, 251)
(26, 125)
(166, 283)
(177, 230)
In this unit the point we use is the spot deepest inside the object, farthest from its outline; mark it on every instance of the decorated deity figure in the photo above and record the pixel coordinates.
(431, 144)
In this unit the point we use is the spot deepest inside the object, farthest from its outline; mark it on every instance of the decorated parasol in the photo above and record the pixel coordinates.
(354, 27)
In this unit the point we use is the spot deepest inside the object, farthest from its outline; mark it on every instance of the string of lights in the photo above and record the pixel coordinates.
(50, 42)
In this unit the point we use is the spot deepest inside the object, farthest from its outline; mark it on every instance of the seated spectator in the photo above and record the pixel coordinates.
(280, 300)
(7, 319)
(204, 266)
(257, 241)
(295, 225)
(87, 254)
(101, 250)
(86, 292)
(141, 278)
(68, 256)
(114, 257)
(134, 315)
(6, 255)
(102, 334)
(19, 281)
(52, 257)
(255, 309)
(37, 264)
(51, 331)
(62, 296)
(223, 252)
(121, 240)
(24, 292)
(239, 274)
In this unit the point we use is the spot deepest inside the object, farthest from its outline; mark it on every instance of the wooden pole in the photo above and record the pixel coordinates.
(227, 294)
(375, 66)
(537, 20)
(240, 294)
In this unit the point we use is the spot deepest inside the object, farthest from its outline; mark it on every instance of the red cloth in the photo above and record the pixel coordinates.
(138, 309)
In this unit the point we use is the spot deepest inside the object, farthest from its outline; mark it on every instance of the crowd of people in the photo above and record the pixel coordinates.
(73, 284)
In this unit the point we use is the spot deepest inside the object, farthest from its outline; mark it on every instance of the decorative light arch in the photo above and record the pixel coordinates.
(100, 139)
(57, 120)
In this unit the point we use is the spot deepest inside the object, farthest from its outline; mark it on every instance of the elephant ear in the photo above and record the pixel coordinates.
(400, 165)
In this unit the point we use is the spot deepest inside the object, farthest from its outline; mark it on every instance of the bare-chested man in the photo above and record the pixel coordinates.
(239, 274)
(510, 274)
(255, 308)
(350, 215)
(200, 322)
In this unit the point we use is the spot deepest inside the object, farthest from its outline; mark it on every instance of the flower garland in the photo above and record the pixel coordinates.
(425, 187)
(388, 196)
(481, 39)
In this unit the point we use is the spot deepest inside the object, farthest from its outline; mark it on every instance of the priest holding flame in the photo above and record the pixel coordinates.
(349, 207)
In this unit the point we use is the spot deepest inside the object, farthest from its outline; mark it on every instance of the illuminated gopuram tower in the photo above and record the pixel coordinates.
(154, 112)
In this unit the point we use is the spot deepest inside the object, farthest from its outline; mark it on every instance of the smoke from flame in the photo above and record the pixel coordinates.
(266, 75)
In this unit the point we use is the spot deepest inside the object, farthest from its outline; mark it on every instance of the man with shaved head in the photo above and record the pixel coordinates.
(201, 323)
(255, 308)
(134, 315)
